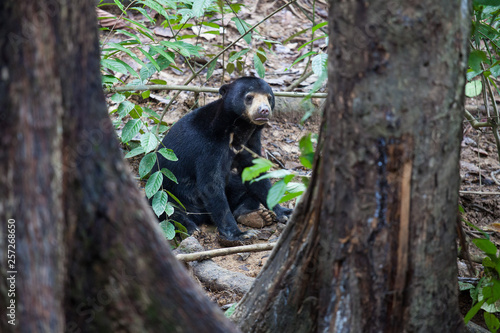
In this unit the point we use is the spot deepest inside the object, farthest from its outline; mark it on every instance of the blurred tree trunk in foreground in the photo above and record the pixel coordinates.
(371, 248)
(88, 256)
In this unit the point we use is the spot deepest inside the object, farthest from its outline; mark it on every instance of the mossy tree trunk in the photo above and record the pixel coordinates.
(371, 248)
(89, 257)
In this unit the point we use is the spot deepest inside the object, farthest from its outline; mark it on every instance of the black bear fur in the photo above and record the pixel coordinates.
(209, 144)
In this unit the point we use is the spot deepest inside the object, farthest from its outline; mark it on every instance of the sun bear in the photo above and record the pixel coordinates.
(209, 143)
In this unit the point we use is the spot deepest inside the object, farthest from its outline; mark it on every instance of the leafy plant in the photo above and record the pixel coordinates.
(486, 295)
(484, 64)
(284, 189)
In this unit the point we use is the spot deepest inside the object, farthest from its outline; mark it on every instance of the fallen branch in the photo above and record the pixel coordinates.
(479, 193)
(197, 256)
(145, 87)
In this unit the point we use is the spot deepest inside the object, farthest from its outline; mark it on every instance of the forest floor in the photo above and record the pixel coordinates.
(478, 160)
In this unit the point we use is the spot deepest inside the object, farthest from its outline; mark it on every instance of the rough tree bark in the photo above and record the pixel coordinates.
(371, 248)
(88, 256)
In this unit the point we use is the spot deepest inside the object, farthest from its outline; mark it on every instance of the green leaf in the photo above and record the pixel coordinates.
(180, 227)
(293, 187)
(287, 178)
(492, 322)
(156, 6)
(319, 64)
(109, 79)
(243, 27)
(141, 28)
(146, 164)
(211, 25)
(136, 112)
(121, 48)
(134, 152)
(114, 65)
(159, 203)
(290, 196)
(183, 48)
(462, 286)
(295, 35)
(118, 98)
(145, 94)
(200, 6)
(273, 174)
(485, 245)
(230, 68)
(146, 72)
(166, 55)
(495, 70)
(168, 229)
(153, 61)
(169, 209)
(472, 312)
(475, 59)
(230, 311)
(487, 262)
(259, 166)
(302, 57)
(472, 74)
(131, 128)
(168, 154)
(176, 200)
(125, 107)
(159, 82)
(306, 151)
(149, 142)
(186, 14)
(473, 89)
(211, 68)
(319, 26)
(169, 175)
(153, 184)
(153, 114)
(486, 2)
(259, 67)
(261, 53)
(144, 12)
(275, 194)
(129, 34)
(311, 41)
(127, 66)
(237, 55)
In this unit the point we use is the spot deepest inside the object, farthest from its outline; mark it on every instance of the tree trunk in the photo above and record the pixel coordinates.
(88, 255)
(371, 248)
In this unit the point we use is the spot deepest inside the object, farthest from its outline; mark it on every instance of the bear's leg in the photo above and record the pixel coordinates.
(245, 206)
(216, 202)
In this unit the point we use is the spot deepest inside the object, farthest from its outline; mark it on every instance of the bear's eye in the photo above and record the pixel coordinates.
(248, 99)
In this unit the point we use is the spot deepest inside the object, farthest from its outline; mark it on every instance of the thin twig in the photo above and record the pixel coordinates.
(473, 121)
(301, 79)
(198, 256)
(479, 192)
(144, 87)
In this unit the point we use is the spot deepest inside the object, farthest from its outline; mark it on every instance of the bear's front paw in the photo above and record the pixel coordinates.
(283, 214)
(244, 238)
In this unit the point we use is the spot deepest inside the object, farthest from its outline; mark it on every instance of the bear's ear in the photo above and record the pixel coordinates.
(223, 90)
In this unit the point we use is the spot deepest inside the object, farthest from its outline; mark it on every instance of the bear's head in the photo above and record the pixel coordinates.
(249, 97)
